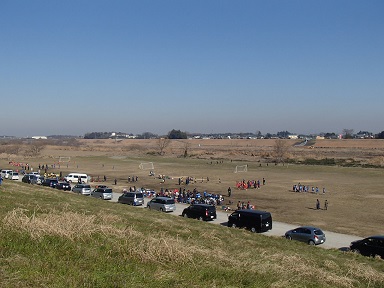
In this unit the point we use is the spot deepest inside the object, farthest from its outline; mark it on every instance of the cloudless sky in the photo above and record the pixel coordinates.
(72, 67)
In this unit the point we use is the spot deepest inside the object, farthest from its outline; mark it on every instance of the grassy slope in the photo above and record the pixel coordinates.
(51, 238)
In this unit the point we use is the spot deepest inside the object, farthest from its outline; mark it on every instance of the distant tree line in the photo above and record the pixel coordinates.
(178, 134)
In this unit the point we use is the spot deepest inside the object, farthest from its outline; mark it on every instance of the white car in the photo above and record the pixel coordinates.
(13, 175)
(5, 173)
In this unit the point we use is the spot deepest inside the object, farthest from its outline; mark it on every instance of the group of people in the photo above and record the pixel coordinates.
(243, 205)
(256, 184)
(191, 197)
(306, 188)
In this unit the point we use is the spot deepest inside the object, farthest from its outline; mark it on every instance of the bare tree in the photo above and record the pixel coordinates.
(280, 150)
(347, 133)
(162, 144)
(34, 149)
(186, 149)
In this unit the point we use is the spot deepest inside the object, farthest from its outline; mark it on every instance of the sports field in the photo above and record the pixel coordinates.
(355, 195)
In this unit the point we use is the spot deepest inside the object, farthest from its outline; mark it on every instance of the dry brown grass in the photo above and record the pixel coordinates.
(354, 194)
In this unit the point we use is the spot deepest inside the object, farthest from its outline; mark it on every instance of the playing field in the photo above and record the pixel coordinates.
(355, 195)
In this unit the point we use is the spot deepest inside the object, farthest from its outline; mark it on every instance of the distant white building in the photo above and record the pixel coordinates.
(292, 136)
(39, 137)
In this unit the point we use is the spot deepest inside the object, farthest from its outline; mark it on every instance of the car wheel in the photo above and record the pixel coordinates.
(311, 242)
(253, 230)
(200, 218)
(185, 215)
(149, 207)
(288, 237)
(233, 225)
(161, 210)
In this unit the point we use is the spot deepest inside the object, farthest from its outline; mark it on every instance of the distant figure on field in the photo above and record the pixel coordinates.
(326, 205)
(317, 204)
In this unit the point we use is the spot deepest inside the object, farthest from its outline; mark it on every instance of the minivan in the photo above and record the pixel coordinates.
(104, 193)
(132, 198)
(13, 175)
(163, 204)
(254, 220)
(74, 178)
(5, 173)
(83, 189)
(200, 211)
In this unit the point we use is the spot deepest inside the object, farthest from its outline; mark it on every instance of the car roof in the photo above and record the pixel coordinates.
(202, 205)
(252, 211)
(163, 197)
(381, 237)
(309, 227)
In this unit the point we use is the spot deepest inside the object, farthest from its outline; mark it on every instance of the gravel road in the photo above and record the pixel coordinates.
(334, 240)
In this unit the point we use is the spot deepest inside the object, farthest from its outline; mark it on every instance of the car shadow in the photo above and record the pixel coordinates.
(224, 223)
(344, 249)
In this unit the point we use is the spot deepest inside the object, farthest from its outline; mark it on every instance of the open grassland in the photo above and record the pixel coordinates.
(355, 194)
(52, 238)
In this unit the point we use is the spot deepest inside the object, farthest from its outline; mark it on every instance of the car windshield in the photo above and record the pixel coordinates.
(139, 195)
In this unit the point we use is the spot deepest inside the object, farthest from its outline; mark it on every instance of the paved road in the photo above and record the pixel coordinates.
(334, 240)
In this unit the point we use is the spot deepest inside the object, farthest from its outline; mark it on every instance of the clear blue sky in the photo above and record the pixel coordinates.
(72, 67)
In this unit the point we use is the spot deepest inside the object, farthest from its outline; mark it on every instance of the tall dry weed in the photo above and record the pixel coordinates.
(68, 224)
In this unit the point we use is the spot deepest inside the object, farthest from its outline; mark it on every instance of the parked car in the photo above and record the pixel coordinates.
(5, 173)
(63, 186)
(254, 220)
(51, 182)
(307, 234)
(370, 246)
(84, 189)
(200, 211)
(102, 193)
(13, 175)
(163, 204)
(132, 198)
(26, 178)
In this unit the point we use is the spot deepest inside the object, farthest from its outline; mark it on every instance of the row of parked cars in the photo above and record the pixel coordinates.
(255, 221)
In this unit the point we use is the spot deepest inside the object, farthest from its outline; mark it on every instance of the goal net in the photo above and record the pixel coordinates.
(64, 159)
(241, 168)
(146, 166)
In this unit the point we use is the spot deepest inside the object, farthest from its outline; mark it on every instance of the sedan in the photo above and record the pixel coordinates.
(370, 246)
(307, 234)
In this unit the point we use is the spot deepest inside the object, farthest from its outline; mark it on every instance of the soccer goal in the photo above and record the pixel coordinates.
(146, 166)
(241, 168)
(64, 159)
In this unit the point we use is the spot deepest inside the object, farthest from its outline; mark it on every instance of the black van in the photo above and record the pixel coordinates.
(254, 220)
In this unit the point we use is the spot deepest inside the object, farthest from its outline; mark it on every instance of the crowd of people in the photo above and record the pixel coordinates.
(256, 184)
(306, 188)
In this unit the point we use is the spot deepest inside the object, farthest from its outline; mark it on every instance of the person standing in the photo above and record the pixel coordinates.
(317, 204)
(229, 191)
(326, 205)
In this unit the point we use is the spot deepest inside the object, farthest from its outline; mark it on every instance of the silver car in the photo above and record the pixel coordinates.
(102, 193)
(307, 234)
(83, 189)
(163, 204)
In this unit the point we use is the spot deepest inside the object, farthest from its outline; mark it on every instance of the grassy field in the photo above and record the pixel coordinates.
(355, 194)
(51, 238)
